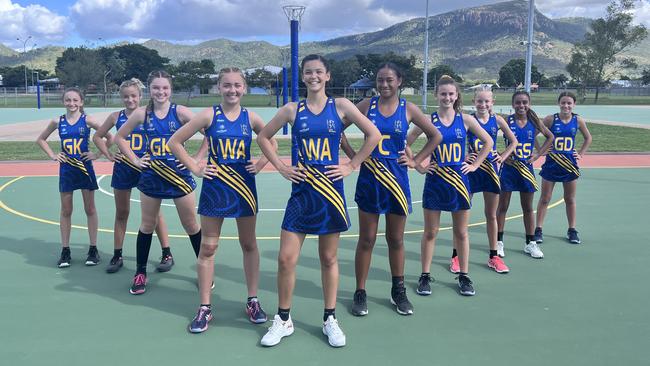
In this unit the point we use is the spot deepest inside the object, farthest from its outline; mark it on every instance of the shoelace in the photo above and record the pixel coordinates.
(255, 308)
(140, 279)
(202, 315)
(464, 280)
(359, 296)
(277, 326)
(165, 258)
(114, 260)
(426, 279)
(333, 327)
(400, 295)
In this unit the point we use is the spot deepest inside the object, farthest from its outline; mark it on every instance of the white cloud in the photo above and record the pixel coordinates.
(31, 20)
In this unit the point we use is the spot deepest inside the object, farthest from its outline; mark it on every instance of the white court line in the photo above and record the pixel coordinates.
(172, 205)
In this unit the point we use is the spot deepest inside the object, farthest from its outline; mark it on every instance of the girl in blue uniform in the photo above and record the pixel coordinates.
(486, 178)
(383, 184)
(517, 172)
(446, 187)
(228, 188)
(317, 203)
(75, 170)
(162, 177)
(126, 175)
(561, 163)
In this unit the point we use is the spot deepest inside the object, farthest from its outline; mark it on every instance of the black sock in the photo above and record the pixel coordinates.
(454, 254)
(65, 249)
(250, 298)
(117, 253)
(500, 236)
(493, 253)
(538, 229)
(529, 238)
(284, 314)
(461, 274)
(428, 274)
(142, 246)
(327, 313)
(195, 239)
(209, 306)
(398, 281)
(166, 252)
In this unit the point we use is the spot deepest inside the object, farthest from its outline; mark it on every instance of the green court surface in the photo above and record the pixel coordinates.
(581, 305)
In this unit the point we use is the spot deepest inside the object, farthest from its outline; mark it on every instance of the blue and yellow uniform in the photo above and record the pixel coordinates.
(486, 177)
(517, 173)
(383, 184)
(560, 164)
(446, 188)
(164, 178)
(74, 173)
(125, 174)
(317, 204)
(232, 192)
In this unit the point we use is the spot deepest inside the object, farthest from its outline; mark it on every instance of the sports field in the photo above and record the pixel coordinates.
(581, 305)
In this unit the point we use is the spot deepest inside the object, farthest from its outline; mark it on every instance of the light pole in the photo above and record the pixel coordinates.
(426, 59)
(529, 44)
(25, 50)
(38, 89)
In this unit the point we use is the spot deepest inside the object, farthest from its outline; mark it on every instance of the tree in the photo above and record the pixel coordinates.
(261, 78)
(645, 77)
(609, 36)
(440, 70)
(139, 61)
(81, 67)
(558, 81)
(188, 74)
(513, 73)
(344, 72)
(369, 63)
(13, 76)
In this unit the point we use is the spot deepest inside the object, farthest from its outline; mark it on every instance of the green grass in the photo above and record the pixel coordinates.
(605, 139)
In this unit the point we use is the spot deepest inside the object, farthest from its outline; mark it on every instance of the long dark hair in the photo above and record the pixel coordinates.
(448, 80)
(396, 69)
(79, 92)
(155, 75)
(314, 57)
(566, 94)
(530, 114)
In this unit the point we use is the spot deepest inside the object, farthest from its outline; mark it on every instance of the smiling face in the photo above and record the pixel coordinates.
(521, 104)
(315, 75)
(483, 102)
(388, 83)
(72, 101)
(130, 97)
(232, 87)
(160, 89)
(447, 95)
(566, 105)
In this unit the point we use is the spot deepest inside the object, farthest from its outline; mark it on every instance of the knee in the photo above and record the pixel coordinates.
(190, 226)
(66, 212)
(461, 234)
(147, 225)
(366, 243)
(287, 262)
(207, 250)
(248, 246)
(545, 199)
(570, 200)
(328, 260)
(122, 214)
(394, 241)
(429, 235)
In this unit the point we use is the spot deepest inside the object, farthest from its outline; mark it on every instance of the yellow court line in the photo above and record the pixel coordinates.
(50, 222)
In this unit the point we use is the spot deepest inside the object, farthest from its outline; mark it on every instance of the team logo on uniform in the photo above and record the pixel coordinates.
(494, 130)
(82, 130)
(530, 134)
(244, 130)
(459, 133)
(398, 126)
(373, 115)
(172, 126)
(573, 130)
(304, 127)
(331, 127)
(557, 128)
(221, 128)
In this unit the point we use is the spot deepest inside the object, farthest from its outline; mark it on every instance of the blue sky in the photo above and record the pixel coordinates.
(99, 22)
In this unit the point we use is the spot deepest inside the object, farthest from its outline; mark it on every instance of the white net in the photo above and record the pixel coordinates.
(294, 12)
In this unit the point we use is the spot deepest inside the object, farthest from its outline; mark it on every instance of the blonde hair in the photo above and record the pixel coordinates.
(132, 82)
(448, 80)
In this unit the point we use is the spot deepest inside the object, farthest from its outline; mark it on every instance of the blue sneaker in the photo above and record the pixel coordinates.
(538, 236)
(572, 236)
(200, 322)
(255, 312)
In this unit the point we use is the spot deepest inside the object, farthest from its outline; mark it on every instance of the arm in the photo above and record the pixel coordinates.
(191, 127)
(94, 124)
(284, 115)
(472, 125)
(582, 126)
(547, 144)
(503, 126)
(100, 137)
(41, 141)
(346, 147)
(257, 124)
(136, 118)
(423, 124)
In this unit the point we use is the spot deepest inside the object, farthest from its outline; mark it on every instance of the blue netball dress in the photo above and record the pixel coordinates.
(74, 173)
(317, 204)
(560, 164)
(517, 173)
(446, 188)
(164, 178)
(486, 177)
(383, 184)
(125, 174)
(232, 192)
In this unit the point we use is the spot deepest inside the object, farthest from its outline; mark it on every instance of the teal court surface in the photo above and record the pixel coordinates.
(581, 305)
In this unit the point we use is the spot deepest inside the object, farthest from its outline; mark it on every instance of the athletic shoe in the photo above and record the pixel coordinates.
(424, 285)
(500, 249)
(335, 335)
(114, 265)
(572, 236)
(465, 286)
(359, 303)
(93, 256)
(454, 265)
(534, 251)
(200, 322)
(497, 264)
(166, 263)
(538, 236)
(65, 259)
(255, 312)
(139, 284)
(277, 331)
(401, 302)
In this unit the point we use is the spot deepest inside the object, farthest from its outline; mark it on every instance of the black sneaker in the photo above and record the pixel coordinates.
(93, 256)
(359, 303)
(166, 263)
(114, 265)
(572, 236)
(65, 259)
(424, 285)
(401, 302)
(465, 286)
(538, 237)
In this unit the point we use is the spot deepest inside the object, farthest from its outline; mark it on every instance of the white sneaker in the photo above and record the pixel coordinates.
(334, 334)
(277, 331)
(534, 251)
(500, 252)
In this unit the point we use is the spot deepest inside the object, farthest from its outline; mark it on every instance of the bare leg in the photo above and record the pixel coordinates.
(205, 262)
(491, 204)
(428, 242)
(251, 254)
(290, 245)
(367, 237)
(570, 201)
(329, 266)
(122, 210)
(91, 214)
(65, 218)
(502, 210)
(461, 238)
(395, 238)
(544, 199)
(526, 199)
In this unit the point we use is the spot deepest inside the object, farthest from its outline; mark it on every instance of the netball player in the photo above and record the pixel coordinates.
(517, 172)
(383, 183)
(446, 187)
(317, 203)
(126, 176)
(228, 188)
(561, 164)
(162, 177)
(75, 170)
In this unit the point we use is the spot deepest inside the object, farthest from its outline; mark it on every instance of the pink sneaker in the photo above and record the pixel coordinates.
(496, 263)
(454, 265)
